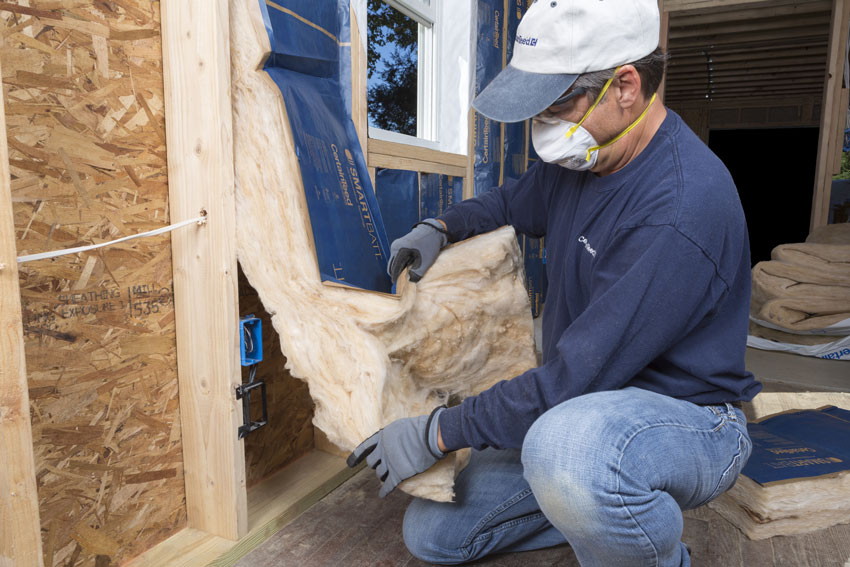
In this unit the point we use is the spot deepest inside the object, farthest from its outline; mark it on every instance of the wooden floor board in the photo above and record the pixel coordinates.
(701, 513)
(792, 551)
(371, 535)
(382, 546)
(840, 536)
(756, 553)
(821, 551)
(272, 504)
(724, 546)
(695, 535)
(352, 527)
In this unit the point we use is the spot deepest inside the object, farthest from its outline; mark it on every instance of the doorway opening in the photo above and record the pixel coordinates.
(774, 170)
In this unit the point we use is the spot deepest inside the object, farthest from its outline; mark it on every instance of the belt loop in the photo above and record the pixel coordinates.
(731, 411)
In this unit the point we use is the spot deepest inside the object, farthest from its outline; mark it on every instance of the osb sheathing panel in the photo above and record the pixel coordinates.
(82, 82)
(289, 431)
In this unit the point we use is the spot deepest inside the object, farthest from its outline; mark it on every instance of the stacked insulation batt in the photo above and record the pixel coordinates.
(801, 297)
(787, 507)
(368, 358)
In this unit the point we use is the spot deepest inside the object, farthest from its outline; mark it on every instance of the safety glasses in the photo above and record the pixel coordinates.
(568, 96)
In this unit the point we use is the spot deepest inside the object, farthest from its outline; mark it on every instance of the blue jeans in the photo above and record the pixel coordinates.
(608, 472)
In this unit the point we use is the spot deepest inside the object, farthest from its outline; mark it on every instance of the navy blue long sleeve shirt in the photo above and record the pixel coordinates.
(649, 284)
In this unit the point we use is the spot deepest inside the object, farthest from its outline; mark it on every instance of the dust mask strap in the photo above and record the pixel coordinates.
(624, 132)
(596, 102)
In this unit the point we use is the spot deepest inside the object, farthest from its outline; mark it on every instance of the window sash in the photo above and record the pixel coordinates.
(390, 136)
(426, 98)
(420, 11)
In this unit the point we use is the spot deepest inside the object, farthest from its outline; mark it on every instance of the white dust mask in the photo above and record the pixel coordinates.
(552, 143)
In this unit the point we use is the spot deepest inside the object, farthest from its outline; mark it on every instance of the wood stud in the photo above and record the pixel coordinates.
(20, 540)
(196, 60)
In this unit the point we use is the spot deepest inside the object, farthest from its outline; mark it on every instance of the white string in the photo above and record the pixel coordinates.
(54, 253)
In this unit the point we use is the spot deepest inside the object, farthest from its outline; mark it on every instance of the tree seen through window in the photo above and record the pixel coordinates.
(392, 69)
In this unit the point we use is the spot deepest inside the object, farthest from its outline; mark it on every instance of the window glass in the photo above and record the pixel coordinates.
(393, 69)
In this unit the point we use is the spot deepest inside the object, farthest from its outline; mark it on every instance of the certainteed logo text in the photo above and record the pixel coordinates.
(529, 41)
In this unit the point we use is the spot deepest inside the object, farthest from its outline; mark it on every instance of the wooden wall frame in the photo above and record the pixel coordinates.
(833, 114)
(20, 527)
(692, 5)
(359, 66)
(199, 130)
(768, 112)
(402, 156)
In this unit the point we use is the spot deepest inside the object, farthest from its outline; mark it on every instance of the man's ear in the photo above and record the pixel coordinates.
(628, 86)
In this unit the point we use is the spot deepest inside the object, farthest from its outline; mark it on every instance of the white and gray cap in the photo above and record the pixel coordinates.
(558, 40)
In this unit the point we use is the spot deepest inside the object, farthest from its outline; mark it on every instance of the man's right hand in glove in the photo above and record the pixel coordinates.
(418, 249)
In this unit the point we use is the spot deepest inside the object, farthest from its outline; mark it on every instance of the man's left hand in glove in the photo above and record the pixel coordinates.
(402, 449)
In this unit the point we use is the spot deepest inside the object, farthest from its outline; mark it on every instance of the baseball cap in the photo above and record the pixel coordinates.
(558, 40)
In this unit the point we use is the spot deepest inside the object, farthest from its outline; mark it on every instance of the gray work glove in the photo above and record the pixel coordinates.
(402, 449)
(418, 248)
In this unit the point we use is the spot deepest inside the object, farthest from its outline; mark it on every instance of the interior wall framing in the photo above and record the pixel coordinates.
(836, 96)
(778, 112)
(755, 52)
(710, 5)
(289, 432)
(88, 130)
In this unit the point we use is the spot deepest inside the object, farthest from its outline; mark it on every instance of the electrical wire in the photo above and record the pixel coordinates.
(44, 255)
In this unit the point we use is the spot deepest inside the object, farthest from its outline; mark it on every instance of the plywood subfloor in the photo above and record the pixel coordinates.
(353, 527)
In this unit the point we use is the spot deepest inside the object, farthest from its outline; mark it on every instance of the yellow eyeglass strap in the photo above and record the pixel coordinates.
(574, 129)
(624, 132)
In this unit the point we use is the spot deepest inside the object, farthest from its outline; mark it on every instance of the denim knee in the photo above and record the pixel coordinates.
(424, 532)
(564, 462)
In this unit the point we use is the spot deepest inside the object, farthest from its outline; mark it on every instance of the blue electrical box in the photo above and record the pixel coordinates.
(251, 340)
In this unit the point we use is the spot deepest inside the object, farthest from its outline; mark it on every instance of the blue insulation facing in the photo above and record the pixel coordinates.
(437, 193)
(407, 197)
(802, 444)
(504, 151)
(515, 136)
(311, 51)
(486, 133)
(398, 198)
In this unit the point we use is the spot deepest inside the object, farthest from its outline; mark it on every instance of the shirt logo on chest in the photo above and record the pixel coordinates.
(590, 250)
